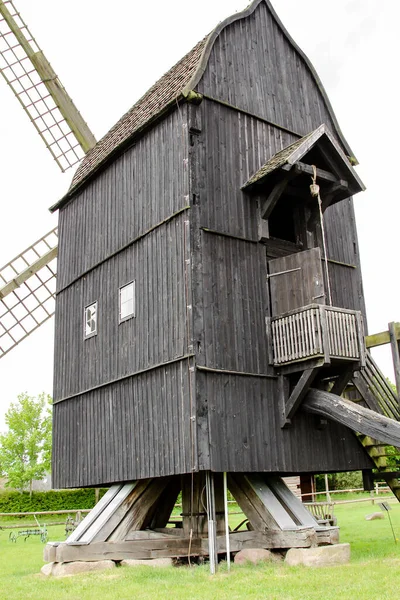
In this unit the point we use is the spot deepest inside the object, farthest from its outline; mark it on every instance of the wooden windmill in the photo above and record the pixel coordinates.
(209, 300)
(27, 282)
(210, 309)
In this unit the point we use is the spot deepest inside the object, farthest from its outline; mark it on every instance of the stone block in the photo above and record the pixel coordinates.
(256, 555)
(74, 568)
(323, 556)
(151, 562)
(375, 516)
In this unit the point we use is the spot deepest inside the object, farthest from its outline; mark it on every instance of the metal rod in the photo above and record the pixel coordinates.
(228, 549)
(212, 541)
(283, 272)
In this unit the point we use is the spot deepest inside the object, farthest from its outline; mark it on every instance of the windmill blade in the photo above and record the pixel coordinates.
(40, 92)
(27, 291)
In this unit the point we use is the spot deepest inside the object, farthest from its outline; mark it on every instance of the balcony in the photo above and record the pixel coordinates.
(317, 335)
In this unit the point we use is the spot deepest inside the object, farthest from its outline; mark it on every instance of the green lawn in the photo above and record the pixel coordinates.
(374, 571)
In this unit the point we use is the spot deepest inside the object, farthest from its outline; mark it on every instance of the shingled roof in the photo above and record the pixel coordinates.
(156, 99)
(174, 85)
(300, 148)
(278, 160)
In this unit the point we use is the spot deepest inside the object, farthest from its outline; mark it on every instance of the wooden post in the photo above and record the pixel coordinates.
(328, 496)
(394, 344)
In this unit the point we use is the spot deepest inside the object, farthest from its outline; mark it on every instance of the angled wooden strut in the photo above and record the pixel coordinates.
(123, 524)
(298, 393)
(358, 418)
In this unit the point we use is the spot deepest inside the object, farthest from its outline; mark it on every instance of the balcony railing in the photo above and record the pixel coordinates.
(317, 331)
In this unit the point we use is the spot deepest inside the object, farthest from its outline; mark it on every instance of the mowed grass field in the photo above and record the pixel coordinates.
(374, 571)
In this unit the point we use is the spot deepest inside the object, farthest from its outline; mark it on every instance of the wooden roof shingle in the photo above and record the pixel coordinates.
(155, 100)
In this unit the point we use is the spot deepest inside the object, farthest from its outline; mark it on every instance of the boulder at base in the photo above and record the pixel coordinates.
(151, 562)
(374, 516)
(73, 568)
(323, 556)
(256, 555)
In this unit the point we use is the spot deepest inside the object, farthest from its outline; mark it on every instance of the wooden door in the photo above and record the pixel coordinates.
(296, 280)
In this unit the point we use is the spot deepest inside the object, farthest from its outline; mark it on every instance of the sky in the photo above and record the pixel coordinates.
(108, 54)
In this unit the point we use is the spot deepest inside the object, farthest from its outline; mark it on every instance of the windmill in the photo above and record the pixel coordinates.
(27, 282)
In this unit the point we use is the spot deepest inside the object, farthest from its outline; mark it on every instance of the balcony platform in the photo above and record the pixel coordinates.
(315, 336)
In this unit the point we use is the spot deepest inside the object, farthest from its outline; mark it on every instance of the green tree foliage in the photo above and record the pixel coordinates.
(25, 450)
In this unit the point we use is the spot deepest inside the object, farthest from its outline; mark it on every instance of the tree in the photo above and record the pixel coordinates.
(25, 450)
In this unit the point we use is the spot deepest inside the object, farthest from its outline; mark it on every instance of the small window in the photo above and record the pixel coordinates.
(127, 301)
(91, 320)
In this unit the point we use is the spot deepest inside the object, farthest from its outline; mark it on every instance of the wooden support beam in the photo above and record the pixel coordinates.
(382, 338)
(343, 379)
(355, 417)
(273, 197)
(163, 546)
(297, 395)
(394, 344)
(301, 167)
(386, 475)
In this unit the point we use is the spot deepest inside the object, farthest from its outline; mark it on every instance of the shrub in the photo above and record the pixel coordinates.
(52, 500)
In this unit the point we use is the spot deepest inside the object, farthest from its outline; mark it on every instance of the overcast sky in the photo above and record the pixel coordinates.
(108, 54)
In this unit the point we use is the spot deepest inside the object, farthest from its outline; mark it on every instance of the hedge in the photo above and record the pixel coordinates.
(52, 500)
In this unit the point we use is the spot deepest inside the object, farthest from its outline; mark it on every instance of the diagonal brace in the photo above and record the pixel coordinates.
(299, 391)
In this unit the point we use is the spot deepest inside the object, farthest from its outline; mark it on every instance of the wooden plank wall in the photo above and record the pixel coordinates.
(136, 428)
(144, 186)
(255, 70)
(156, 335)
(253, 67)
(111, 421)
(244, 413)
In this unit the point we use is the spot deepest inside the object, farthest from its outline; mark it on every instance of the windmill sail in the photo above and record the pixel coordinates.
(40, 92)
(27, 291)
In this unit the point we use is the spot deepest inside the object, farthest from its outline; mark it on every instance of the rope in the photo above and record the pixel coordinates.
(314, 189)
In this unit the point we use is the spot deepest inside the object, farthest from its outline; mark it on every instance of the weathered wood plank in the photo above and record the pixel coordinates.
(355, 417)
(142, 548)
(300, 390)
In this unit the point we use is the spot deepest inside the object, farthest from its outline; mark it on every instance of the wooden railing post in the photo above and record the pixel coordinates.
(394, 344)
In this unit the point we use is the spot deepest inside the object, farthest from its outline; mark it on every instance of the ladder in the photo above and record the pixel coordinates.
(375, 391)
(27, 291)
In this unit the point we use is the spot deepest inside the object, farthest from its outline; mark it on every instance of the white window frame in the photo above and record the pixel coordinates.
(91, 333)
(133, 313)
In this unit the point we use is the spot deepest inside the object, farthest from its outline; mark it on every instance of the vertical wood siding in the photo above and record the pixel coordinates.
(235, 305)
(133, 429)
(235, 147)
(254, 67)
(155, 335)
(144, 186)
(244, 412)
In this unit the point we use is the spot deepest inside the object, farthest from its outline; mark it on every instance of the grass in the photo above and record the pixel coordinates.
(373, 571)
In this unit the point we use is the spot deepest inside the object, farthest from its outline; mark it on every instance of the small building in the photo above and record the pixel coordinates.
(199, 290)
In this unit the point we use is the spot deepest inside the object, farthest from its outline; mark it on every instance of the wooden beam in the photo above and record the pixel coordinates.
(343, 379)
(355, 417)
(382, 338)
(394, 344)
(272, 199)
(300, 390)
(27, 273)
(301, 167)
(168, 546)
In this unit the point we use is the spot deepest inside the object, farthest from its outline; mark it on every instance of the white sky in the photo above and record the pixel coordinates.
(108, 54)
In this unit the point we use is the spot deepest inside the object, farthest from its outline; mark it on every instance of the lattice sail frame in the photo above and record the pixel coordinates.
(40, 92)
(27, 291)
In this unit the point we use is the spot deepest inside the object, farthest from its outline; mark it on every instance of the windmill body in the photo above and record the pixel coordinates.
(186, 383)
(202, 290)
